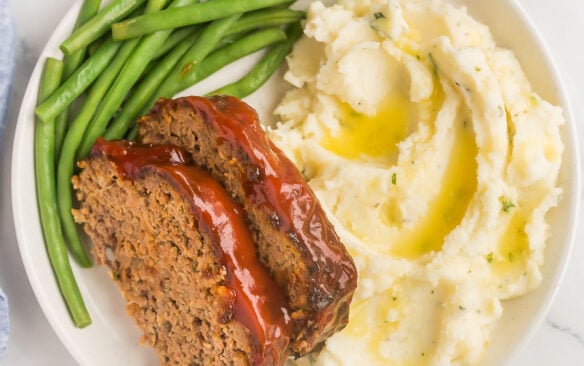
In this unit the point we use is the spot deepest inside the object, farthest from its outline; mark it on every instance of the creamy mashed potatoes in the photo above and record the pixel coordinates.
(437, 164)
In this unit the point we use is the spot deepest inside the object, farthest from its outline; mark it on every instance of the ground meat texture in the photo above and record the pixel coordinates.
(183, 257)
(293, 236)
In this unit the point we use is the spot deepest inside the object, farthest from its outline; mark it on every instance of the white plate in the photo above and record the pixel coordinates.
(112, 339)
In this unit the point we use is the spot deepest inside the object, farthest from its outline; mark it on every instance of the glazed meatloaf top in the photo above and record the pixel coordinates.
(294, 238)
(183, 256)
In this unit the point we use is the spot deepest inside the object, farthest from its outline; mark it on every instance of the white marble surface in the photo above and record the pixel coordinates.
(559, 341)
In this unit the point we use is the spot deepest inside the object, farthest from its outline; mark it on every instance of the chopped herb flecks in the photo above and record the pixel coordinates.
(506, 205)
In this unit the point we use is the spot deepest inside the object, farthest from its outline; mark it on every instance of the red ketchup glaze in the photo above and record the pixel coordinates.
(258, 301)
(274, 184)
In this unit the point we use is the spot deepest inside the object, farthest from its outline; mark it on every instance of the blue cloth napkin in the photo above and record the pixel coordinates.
(3, 323)
(6, 69)
(7, 47)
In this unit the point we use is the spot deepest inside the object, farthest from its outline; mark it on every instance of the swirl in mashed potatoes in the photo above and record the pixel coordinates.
(437, 164)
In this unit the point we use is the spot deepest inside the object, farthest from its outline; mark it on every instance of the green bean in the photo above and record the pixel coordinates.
(133, 133)
(172, 41)
(155, 5)
(188, 15)
(70, 63)
(260, 19)
(264, 69)
(60, 129)
(78, 82)
(175, 38)
(224, 56)
(132, 70)
(99, 25)
(136, 103)
(283, 5)
(230, 39)
(192, 59)
(74, 135)
(45, 186)
(95, 45)
(265, 18)
(209, 39)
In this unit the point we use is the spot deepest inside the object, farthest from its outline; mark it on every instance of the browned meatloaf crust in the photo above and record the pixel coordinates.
(183, 256)
(293, 236)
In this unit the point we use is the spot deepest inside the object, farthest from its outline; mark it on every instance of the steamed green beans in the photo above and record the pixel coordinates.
(78, 82)
(193, 58)
(70, 63)
(99, 25)
(262, 71)
(222, 57)
(265, 18)
(44, 150)
(174, 39)
(188, 15)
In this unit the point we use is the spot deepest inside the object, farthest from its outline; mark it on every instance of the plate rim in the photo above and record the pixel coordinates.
(570, 134)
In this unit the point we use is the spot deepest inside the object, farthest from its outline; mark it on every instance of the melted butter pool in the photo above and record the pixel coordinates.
(378, 137)
(374, 136)
(446, 211)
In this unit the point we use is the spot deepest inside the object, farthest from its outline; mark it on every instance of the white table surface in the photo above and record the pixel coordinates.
(560, 339)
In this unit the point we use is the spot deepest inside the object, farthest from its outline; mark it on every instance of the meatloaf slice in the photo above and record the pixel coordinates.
(294, 238)
(183, 257)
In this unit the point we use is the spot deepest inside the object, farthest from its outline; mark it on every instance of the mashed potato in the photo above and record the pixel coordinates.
(437, 164)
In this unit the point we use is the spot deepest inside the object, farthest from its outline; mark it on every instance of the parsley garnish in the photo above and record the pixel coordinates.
(507, 205)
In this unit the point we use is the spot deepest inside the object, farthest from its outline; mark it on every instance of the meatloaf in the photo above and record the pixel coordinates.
(183, 257)
(294, 238)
